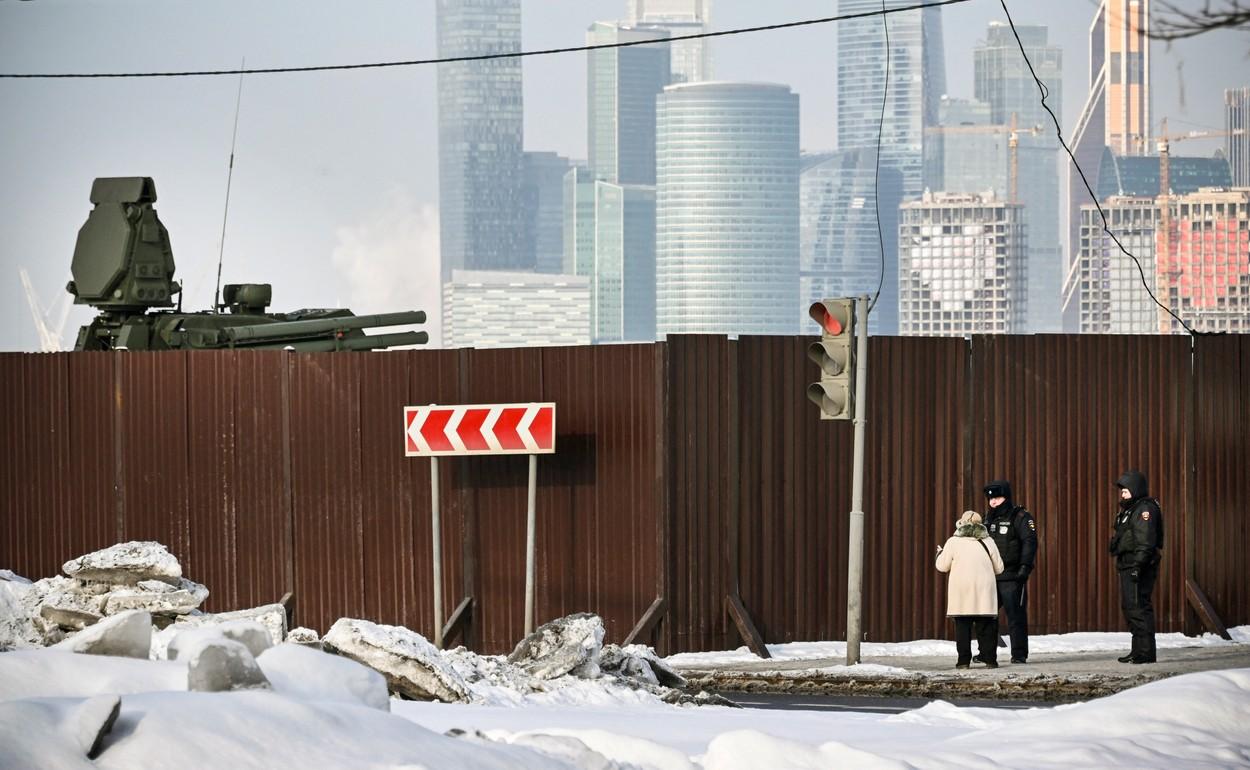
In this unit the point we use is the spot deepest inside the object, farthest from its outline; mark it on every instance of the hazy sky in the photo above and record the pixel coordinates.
(335, 192)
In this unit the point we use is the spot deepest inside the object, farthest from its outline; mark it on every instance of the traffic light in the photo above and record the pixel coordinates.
(835, 355)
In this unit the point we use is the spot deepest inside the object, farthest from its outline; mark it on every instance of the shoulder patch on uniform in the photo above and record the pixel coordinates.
(1145, 515)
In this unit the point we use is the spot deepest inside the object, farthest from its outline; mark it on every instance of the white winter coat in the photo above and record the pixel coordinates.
(971, 589)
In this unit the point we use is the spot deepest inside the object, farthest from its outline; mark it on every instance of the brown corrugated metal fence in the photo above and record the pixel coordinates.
(689, 470)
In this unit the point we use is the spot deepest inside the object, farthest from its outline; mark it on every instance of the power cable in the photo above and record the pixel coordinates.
(489, 56)
(876, 180)
(1059, 133)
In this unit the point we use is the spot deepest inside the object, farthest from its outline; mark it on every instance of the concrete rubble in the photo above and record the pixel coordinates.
(132, 599)
(568, 645)
(134, 576)
(413, 667)
(125, 635)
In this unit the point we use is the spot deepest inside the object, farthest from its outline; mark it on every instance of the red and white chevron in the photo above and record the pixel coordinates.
(480, 429)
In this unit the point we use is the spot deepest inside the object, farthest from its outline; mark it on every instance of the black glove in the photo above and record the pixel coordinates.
(1022, 574)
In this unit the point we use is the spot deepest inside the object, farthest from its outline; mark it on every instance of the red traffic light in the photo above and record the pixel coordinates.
(831, 320)
(831, 324)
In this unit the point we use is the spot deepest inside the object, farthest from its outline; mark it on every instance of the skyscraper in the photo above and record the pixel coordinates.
(1204, 272)
(1117, 110)
(965, 153)
(481, 208)
(962, 266)
(621, 87)
(1203, 276)
(727, 189)
(839, 247)
(917, 80)
(610, 208)
(1237, 118)
(622, 286)
(543, 195)
(691, 59)
(1002, 80)
(1110, 297)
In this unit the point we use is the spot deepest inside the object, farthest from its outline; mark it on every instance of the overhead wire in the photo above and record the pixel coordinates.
(489, 56)
(1101, 212)
(876, 180)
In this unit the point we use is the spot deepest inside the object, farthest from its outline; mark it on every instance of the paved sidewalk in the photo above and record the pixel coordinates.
(1054, 677)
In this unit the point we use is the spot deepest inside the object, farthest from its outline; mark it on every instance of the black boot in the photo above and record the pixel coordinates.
(1126, 658)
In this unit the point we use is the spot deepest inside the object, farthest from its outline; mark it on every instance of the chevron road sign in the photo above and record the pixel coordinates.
(480, 429)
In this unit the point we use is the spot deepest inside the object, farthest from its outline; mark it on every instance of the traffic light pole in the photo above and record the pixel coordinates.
(855, 558)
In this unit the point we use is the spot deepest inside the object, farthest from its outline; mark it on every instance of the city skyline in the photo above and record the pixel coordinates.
(365, 247)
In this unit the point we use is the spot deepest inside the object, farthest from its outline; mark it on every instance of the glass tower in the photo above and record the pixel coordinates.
(727, 201)
(839, 248)
(480, 166)
(1237, 118)
(621, 87)
(1116, 112)
(1002, 80)
(691, 59)
(610, 207)
(544, 209)
(917, 72)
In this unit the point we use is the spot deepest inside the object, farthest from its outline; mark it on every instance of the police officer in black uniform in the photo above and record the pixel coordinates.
(1015, 533)
(1137, 546)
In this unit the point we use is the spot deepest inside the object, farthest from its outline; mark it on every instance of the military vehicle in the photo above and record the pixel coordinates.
(124, 267)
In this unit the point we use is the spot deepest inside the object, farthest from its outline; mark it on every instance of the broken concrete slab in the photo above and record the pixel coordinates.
(217, 664)
(127, 635)
(412, 666)
(568, 645)
(126, 564)
(157, 597)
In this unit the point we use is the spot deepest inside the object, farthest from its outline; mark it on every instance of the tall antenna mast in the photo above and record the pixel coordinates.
(229, 178)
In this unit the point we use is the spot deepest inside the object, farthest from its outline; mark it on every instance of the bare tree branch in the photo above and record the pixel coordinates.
(1173, 23)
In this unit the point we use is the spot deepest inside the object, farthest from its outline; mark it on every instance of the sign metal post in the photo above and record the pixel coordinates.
(481, 429)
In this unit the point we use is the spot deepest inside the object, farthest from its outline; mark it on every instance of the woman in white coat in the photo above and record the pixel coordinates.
(972, 560)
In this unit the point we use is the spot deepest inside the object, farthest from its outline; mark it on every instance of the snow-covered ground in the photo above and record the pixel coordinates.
(1051, 643)
(51, 703)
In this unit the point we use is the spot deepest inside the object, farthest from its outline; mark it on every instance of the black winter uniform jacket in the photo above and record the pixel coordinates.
(1015, 533)
(1138, 538)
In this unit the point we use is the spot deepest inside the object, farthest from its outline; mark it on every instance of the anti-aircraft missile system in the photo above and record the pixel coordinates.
(124, 267)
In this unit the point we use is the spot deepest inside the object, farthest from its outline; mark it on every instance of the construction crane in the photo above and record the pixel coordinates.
(1164, 270)
(49, 331)
(1013, 141)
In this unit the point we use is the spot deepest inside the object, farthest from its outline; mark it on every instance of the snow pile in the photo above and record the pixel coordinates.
(1195, 720)
(53, 732)
(112, 599)
(270, 617)
(300, 671)
(1049, 643)
(63, 710)
(416, 670)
